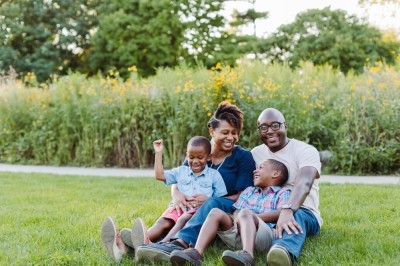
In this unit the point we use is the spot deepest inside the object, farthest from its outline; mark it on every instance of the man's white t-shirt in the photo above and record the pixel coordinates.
(295, 155)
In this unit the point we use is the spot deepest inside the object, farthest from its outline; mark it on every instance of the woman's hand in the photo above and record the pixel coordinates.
(197, 200)
(180, 202)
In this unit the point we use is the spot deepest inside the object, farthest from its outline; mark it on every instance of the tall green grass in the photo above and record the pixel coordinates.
(111, 122)
(56, 220)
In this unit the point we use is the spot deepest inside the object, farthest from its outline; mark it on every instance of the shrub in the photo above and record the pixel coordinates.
(111, 122)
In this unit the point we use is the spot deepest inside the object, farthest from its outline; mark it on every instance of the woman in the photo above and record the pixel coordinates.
(236, 166)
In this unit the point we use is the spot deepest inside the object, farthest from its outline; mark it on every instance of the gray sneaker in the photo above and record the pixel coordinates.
(237, 258)
(139, 234)
(184, 257)
(156, 252)
(126, 237)
(279, 256)
(109, 239)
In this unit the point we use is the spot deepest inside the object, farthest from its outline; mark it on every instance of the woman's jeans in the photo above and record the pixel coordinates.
(191, 231)
(294, 243)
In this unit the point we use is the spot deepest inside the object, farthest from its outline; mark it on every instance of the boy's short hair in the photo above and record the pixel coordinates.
(277, 165)
(200, 141)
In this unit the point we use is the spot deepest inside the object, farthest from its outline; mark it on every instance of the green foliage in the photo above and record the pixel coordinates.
(145, 34)
(111, 122)
(330, 37)
(45, 37)
(57, 220)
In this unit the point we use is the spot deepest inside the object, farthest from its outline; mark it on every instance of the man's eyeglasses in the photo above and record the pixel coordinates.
(274, 126)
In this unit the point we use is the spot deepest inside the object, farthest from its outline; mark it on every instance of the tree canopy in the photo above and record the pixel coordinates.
(49, 37)
(145, 34)
(330, 37)
(45, 37)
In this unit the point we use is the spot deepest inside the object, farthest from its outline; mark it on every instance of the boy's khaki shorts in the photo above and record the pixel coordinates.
(264, 237)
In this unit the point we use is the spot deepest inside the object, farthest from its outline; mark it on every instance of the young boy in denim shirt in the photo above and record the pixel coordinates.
(196, 178)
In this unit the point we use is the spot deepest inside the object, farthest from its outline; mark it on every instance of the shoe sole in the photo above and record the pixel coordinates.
(232, 259)
(181, 260)
(139, 234)
(126, 237)
(278, 257)
(109, 239)
(151, 255)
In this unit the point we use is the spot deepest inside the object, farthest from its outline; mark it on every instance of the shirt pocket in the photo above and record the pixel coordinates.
(185, 185)
(205, 187)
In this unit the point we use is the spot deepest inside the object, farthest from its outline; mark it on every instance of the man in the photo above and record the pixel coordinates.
(300, 217)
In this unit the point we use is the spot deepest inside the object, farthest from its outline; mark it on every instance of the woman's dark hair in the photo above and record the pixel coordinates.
(229, 113)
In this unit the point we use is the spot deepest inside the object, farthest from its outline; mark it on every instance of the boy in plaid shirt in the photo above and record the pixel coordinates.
(251, 225)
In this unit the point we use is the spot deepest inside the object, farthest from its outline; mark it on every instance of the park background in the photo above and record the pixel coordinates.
(93, 83)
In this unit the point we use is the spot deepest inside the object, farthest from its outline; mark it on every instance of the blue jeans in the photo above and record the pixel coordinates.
(191, 231)
(294, 243)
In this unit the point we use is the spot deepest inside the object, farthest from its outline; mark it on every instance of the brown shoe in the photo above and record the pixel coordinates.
(279, 256)
(184, 257)
(237, 258)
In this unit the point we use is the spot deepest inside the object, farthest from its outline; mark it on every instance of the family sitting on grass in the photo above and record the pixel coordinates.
(271, 209)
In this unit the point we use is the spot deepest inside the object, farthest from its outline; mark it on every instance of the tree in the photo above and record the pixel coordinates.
(248, 44)
(210, 41)
(204, 31)
(45, 37)
(330, 37)
(146, 34)
(153, 34)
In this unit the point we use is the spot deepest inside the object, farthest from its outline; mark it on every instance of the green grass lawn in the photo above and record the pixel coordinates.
(56, 220)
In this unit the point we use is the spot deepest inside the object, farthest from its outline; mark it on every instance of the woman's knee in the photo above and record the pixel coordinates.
(211, 203)
(220, 203)
(216, 214)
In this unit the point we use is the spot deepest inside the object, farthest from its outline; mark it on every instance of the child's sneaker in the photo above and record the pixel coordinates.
(139, 234)
(184, 257)
(237, 258)
(126, 235)
(109, 238)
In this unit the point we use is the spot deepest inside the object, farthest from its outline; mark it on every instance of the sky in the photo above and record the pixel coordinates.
(284, 11)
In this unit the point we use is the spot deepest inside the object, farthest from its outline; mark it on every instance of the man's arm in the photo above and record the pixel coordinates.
(301, 189)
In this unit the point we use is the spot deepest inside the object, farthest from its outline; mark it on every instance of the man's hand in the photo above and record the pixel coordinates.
(287, 222)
